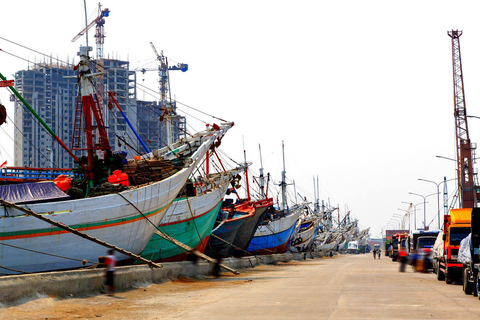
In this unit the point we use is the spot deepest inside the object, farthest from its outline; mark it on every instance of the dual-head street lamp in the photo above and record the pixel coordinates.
(415, 215)
(438, 191)
(402, 220)
(392, 223)
(407, 213)
(398, 221)
(424, 207)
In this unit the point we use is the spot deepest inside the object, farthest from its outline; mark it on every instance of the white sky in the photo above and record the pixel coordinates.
(360, 91)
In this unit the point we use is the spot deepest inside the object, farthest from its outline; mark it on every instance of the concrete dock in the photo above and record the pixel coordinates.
(343, 287)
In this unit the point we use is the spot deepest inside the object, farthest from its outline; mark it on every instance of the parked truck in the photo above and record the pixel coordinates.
(421, 239)
(456, 227)
(399, 243)
(469, 255)
(402, 241)
(391, 242)
(387, 247)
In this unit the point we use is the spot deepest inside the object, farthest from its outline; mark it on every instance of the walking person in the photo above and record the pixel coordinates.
(374, 253)
(110, 263)
(218, 260)
(379, 253)
(402, 257)
(193, 258)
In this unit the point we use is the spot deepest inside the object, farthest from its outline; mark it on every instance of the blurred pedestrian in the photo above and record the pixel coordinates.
(379, 253)
(193, 258)
(402, 257)
(110, 263)
(218, 260)
(374, 253)
(414, 259)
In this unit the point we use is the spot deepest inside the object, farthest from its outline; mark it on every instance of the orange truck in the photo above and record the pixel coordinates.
(456, 227)
(399, 242)
(402, 241)
(391, 242)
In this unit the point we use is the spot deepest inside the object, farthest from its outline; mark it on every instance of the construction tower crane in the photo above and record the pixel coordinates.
(163, 69)
(466, 177)
(168, 107)
(99, 21)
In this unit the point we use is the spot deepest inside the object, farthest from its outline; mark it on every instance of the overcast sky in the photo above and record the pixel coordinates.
(360, 91)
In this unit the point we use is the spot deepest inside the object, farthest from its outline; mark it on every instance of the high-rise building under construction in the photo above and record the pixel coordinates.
(52, 88)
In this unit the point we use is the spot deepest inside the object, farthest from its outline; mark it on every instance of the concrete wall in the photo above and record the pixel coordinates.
(90, 281)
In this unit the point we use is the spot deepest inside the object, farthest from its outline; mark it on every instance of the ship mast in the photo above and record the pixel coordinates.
(283, 184)
(246, 175)
(90, 106)
(262, 177)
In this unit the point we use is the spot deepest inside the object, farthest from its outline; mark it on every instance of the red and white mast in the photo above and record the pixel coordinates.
(89, 105)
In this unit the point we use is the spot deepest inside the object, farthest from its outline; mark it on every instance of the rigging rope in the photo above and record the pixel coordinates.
(231, 244)
(78, 233)
(178, 243)
(48, 254)
(14, 270)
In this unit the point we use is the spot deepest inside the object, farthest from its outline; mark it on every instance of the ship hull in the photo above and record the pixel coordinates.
(274, 236)
(304, 238)
(224, 232)
(32, 245)
(189, 221)
(246, 232)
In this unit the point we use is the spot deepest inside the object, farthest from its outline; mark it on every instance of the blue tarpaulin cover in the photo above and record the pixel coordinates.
(32, 192)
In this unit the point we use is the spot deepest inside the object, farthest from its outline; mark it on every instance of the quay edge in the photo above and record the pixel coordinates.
(62, 284)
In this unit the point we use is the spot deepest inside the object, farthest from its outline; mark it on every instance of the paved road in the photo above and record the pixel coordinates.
(345, 287)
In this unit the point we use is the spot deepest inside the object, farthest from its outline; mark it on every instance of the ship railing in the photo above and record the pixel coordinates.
(18, 174)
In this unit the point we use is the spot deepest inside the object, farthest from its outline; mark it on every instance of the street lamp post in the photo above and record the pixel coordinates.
(438, 194)
(415, 215)
(424, 207)
(438, 198)
(394, 223)
(399, 221)
(407, 213)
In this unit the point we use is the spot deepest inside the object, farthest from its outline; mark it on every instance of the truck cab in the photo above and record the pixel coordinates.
(470, 256)
(456, 227)
(426, 242)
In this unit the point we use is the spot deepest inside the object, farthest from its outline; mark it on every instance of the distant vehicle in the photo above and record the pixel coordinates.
(399, 242)
(391, 246)
(352, 247)
(387, 247)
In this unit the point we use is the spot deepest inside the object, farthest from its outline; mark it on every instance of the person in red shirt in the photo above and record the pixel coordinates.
(110, 263)
(402, 256)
